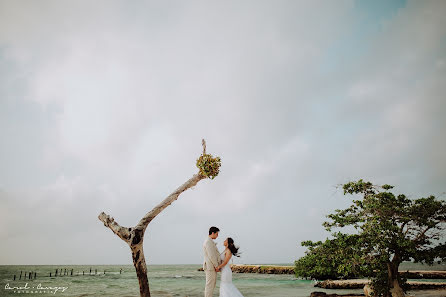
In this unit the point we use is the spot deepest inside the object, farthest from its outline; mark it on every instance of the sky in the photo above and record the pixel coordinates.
(103, 106)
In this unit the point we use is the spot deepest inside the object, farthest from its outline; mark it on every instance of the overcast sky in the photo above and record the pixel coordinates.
(103, 105)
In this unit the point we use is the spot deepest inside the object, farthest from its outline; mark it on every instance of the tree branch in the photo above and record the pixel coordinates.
(203, 143)
(422, 234)
(142, 225)
(122, 232)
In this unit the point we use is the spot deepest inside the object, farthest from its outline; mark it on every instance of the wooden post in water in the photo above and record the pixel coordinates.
(50, 274)
(35, 275)
(30, 275)
(55, 273)
(104, 271)
(120, 271)
(83, 272)
(90, 270)
(95, 271)
(14, 276)
(20, 275)
(71, 272)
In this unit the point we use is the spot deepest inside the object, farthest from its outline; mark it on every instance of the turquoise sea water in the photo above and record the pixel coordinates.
(164, 280)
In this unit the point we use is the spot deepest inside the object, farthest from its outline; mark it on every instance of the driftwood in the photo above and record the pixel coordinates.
(134, 236)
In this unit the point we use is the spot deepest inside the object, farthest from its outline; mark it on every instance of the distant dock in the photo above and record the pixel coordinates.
(59, 272)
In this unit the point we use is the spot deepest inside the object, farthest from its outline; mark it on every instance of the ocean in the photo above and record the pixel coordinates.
(164, 280)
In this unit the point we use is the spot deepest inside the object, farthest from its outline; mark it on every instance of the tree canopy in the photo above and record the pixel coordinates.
(389, 228)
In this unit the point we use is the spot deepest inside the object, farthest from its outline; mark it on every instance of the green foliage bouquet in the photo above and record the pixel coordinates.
(209, 165)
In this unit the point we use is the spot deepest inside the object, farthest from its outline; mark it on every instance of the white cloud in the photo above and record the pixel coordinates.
(126, 93)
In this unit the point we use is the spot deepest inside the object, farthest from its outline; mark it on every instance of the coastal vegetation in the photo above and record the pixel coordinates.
(209, 167)
(388, 229)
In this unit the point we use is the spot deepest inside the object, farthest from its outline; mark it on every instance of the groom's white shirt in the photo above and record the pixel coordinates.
(211, 255)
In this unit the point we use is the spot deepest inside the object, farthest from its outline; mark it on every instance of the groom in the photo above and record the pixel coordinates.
(211, 261)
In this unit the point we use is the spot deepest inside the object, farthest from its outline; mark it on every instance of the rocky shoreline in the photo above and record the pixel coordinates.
(263, 269)
(423, 274)
(423, 293)
(274, 269)
(323, 294)
(360, 283)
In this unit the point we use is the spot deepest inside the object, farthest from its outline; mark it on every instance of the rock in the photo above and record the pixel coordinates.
(426, 285)
(322, 294)
(342, 284)
(360, 283)
(425, 274)
(368, 290)
(264, 269)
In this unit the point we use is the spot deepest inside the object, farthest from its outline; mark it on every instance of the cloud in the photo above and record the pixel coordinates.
(104, 109)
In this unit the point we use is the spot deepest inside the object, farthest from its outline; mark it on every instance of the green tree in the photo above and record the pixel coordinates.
(389, 230)
(338, 258)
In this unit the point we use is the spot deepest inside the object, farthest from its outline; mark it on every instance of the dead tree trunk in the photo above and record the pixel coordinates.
(134, 236)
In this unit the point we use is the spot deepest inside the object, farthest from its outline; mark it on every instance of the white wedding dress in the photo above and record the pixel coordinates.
(227, 288)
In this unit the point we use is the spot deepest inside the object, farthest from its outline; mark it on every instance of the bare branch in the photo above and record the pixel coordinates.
(203, 143)
(119, 230)
(142, 225)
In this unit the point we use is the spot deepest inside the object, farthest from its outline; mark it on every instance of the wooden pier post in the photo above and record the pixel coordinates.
(55, 273)
(14, 276)
(35, 275)
(30, 275)
(20, 275)
(50, 274)
(71, 272)
(95, 271)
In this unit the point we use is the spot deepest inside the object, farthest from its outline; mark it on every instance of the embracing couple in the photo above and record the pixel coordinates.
(215, 262)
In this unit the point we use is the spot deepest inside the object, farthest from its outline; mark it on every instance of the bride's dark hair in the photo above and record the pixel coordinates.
(232, 247)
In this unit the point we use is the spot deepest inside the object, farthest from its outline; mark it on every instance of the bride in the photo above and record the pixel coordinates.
(227, 289)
